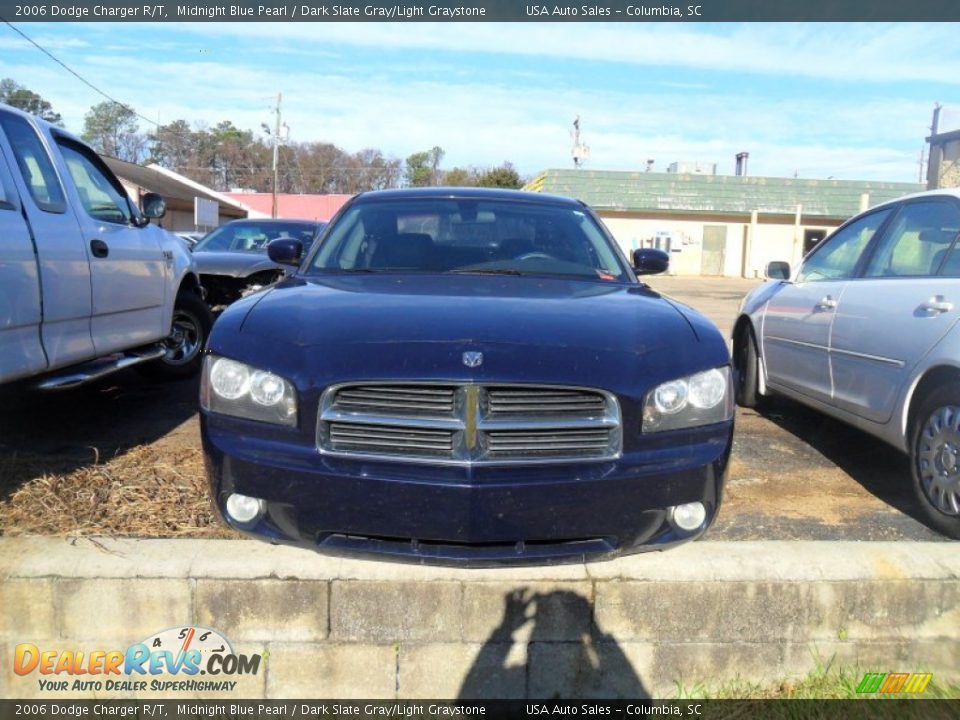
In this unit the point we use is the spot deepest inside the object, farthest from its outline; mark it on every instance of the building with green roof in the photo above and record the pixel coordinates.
(718, 224)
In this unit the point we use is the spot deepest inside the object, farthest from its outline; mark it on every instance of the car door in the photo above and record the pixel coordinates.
(127, 264)
(798, 317)
(61, 257)
(900, 307)
(21, 352)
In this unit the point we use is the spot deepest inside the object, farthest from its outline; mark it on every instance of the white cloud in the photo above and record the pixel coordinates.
(873, 52)
(486, 118)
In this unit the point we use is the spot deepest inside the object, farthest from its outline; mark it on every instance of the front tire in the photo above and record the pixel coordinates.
(935, 459)
(184, 347)
(746, 362)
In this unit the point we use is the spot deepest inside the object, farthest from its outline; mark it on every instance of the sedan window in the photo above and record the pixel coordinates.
(253, 236)
(469, 236)
(917, 242)
(837, 257)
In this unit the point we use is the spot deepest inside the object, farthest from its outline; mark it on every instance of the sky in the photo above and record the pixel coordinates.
(848, 101)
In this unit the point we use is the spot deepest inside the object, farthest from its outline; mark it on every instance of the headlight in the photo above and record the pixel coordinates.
(700, 399)
(233, 388)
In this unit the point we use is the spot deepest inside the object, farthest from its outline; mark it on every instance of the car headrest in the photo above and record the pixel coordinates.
(406, 250)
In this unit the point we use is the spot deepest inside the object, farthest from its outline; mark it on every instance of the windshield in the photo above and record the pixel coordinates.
(254, 236)
(469, 236)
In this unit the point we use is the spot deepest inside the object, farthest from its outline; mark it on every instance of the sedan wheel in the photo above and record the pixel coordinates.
(938, 459)
(747, 366)
(935, 459)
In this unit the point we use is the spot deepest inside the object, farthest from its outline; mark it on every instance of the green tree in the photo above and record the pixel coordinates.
(460, 177)
(505, 176)
(16, 95)
(423, 168)
(418, 172)
(112, 129)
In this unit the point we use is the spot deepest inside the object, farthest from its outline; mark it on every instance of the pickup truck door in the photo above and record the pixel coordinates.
(61, 258)
(902, 305)
(128, 270)
(21, 352)
(799, 317)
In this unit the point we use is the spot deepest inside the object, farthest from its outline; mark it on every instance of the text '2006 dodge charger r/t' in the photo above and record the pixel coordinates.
(470, 376)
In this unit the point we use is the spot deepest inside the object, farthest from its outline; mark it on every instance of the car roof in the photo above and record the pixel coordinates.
(41, 123)
(942, 192)
(467, 193)
(269, 221)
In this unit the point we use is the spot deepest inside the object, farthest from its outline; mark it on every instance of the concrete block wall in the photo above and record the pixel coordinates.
(705, 613)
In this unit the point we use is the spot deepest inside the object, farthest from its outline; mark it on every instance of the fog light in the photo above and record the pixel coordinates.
(689, 516)
(244, 509)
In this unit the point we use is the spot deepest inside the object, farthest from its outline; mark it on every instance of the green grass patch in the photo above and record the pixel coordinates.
(829, 680)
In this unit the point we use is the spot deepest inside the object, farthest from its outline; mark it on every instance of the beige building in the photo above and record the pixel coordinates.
(180, 193)
(715, 224)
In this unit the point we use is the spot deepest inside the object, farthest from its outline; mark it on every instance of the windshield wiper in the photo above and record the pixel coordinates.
(488, 271)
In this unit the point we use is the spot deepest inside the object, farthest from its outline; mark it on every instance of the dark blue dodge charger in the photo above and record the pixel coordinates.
(468, 376)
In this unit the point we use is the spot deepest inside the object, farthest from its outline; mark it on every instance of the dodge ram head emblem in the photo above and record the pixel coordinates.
(473, 359)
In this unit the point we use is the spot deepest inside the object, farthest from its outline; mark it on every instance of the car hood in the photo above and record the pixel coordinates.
(418, 326)
(234, 264)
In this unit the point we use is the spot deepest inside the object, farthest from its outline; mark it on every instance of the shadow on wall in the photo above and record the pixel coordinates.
(535, 652)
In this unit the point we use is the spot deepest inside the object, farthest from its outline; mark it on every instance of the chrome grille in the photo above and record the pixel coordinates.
(469, 423)
(389, 439)
(514, 401)
(564, 442)
(399, 399)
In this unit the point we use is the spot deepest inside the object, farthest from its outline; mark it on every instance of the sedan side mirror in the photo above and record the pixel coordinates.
(777, 270)
(153, 206)
(648, 261)
(285, 251)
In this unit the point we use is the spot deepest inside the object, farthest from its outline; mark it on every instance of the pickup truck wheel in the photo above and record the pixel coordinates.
(935, 459)
(191, 327)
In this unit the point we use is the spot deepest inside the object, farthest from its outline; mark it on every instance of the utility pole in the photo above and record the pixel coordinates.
(276, 153)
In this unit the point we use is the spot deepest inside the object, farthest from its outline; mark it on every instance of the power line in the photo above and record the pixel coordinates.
(73, 72)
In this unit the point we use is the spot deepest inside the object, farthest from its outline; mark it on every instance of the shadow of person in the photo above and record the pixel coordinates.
(548, 647)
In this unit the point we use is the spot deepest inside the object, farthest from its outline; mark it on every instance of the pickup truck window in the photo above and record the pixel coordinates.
(97, 193)
(34, 164)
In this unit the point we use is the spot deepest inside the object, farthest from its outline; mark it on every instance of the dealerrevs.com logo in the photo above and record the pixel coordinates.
(169, 661)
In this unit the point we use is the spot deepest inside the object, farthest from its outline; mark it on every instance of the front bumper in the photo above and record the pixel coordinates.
(467, 515)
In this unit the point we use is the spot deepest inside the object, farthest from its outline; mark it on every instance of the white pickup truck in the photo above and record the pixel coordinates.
(87, 284)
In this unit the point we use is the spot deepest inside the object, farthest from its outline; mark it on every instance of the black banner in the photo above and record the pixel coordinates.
(480, 11)
(495, 709)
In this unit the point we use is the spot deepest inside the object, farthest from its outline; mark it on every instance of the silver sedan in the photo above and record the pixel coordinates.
(866, 331)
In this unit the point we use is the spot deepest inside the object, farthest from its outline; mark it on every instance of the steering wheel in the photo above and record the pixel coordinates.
(535, 255)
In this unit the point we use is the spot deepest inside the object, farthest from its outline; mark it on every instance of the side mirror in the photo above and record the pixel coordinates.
(285, 251)
(777, 270)
(153, 206)
(648, 261)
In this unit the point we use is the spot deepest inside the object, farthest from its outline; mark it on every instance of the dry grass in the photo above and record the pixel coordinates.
(142, 492)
